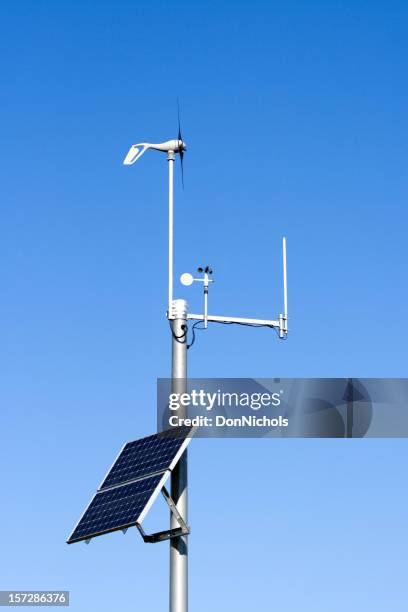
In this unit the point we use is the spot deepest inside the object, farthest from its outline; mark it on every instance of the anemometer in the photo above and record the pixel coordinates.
(188, 279)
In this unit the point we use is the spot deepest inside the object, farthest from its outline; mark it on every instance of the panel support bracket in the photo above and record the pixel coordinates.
(161, 536)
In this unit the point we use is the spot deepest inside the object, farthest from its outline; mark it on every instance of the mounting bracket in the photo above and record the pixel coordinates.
(160, 536)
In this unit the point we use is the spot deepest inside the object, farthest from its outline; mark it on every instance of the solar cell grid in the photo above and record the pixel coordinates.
(146, 456)
(115, 508)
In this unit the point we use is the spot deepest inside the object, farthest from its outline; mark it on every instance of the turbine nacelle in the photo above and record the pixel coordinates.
(137, 150)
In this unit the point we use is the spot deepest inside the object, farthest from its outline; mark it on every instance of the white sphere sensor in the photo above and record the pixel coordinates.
(186, 279)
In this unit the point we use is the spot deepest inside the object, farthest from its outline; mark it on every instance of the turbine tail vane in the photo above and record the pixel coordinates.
(134, 153)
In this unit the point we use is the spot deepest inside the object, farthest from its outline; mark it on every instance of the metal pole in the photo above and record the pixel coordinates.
(285, 282)
(178, 546)
(170, 158)
(205, 300)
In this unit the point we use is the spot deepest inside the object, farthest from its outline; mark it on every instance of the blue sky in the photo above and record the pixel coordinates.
(295, 120)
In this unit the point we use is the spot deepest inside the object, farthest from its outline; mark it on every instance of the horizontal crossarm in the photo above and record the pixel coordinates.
(239, 320)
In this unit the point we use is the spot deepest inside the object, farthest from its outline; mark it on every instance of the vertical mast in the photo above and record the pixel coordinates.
(170, 158)
(178, 592)
(178, 545)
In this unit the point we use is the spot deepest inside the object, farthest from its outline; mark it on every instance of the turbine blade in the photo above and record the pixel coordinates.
(180, 138)
(182, 166)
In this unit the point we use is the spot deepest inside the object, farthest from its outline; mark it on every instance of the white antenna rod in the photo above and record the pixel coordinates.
(205, 300)
(285, 281)
(170, 159)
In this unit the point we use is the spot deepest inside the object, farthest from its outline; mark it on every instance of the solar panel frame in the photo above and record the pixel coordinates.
(162, 475)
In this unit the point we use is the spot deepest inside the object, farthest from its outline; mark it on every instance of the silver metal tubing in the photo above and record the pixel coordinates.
(178, 545)
(205, 300)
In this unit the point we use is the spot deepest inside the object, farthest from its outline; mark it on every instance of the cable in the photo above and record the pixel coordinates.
(275, 329)
(245, 324)
(181, 339)
(193, 330)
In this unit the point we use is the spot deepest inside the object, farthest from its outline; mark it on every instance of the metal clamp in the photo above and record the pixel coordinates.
(168, 534)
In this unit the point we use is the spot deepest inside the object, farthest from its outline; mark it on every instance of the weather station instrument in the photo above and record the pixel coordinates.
(143, 467)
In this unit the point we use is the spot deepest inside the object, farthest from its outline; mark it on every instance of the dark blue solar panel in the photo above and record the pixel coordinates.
(146, 456)
(116, 508)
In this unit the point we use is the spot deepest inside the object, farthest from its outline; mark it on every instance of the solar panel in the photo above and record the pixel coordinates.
(132, 484)
(116, 508)
(146, 456)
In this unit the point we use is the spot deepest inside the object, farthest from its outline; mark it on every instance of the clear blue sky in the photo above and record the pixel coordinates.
(295, 115)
